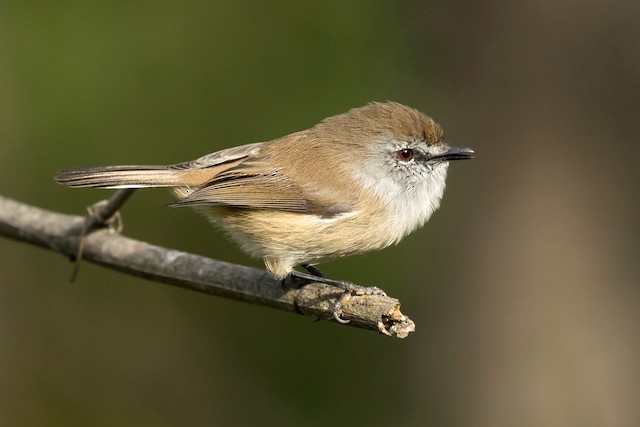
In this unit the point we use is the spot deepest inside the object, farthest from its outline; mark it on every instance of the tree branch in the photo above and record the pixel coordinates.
(61, 233)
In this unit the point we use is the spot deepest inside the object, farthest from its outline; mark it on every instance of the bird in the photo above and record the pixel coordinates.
(353, 183)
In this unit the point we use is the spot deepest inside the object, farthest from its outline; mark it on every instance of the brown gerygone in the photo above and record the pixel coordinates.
(353, 183)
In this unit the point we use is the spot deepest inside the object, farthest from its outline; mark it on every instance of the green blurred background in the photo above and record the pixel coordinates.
(524, 285)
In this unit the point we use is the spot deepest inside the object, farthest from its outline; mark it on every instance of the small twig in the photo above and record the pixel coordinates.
(60, 233)
(103, 213)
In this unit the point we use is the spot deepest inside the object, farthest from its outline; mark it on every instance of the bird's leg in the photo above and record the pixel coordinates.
(312, 269)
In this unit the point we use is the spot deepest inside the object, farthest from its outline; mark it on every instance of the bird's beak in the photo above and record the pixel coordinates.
(454, 153)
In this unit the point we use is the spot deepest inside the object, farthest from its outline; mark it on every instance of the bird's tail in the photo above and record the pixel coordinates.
(129, 177)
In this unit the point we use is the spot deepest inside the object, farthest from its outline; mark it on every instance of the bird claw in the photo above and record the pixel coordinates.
(350, 290)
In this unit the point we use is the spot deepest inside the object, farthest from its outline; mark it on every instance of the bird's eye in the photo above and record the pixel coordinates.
(405, 154)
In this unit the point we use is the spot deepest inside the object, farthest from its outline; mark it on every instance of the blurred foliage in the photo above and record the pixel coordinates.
(523, 286)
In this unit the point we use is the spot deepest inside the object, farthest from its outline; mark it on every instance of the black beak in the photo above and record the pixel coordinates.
(454, 153)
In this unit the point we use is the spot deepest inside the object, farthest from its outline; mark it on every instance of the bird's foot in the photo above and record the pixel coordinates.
(350, 289)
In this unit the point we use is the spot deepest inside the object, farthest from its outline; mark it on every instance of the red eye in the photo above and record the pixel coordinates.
(405, 154)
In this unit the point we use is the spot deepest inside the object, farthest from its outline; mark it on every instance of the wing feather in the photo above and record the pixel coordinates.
(220, 157)
(248, 184)
(246, 177)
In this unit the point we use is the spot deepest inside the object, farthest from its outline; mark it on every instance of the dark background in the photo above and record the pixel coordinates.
(524, 285)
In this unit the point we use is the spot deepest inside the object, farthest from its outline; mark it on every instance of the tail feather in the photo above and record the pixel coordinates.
(122, 177)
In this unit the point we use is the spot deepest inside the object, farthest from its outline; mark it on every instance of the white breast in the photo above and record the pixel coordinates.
(410, 201)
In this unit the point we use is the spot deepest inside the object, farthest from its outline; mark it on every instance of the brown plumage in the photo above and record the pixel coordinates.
(335, 189)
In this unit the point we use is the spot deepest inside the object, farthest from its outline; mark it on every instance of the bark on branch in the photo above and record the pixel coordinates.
(61, 233)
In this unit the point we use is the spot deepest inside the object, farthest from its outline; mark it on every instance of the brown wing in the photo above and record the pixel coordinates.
(251, 183)
(220, 157)
(249, 177)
